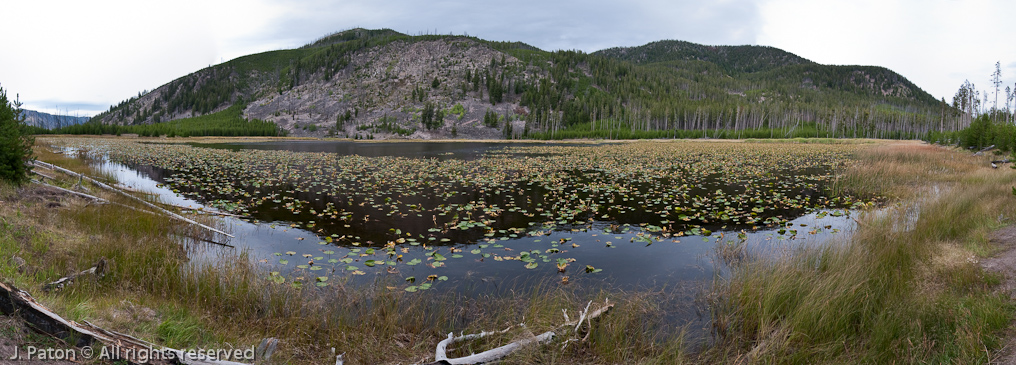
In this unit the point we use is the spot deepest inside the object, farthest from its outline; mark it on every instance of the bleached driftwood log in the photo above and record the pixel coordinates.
(441, 352)
(486, 356)
(118, 191)
(985, 149)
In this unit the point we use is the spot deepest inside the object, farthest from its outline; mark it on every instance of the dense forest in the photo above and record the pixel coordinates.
(664, 89)
(224, 123)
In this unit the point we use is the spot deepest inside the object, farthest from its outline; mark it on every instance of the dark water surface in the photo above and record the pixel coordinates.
(623, 244)
(412, 149)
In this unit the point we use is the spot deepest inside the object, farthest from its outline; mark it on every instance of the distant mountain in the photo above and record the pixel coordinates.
(50, 121)
(383, 83)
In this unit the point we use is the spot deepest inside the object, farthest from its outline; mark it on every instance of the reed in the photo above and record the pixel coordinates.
(904, 288)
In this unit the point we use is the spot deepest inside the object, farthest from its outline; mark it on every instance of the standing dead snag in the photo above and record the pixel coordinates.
(441, 355)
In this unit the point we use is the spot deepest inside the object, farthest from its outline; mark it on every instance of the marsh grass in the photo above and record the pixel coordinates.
(154, 292)
(900, 290)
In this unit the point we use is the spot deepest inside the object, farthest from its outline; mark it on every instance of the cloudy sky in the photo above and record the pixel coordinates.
(80, 57)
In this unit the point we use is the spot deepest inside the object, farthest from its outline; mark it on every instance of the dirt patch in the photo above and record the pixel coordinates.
(1004, 263)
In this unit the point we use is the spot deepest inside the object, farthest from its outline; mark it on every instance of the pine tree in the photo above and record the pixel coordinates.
(15, 143)
(427, 116)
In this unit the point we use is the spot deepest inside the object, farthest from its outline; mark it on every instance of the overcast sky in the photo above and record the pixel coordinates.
(80, 57)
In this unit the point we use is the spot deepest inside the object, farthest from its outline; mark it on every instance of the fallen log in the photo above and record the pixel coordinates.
(104, 201)
(99, 270)
(205, 240)
(486, 356)
(43, 175)
(72, 192)
(133, 190)
(14, 301)
(441, 354)
(985, 149)
(118, 191)
(203, 211)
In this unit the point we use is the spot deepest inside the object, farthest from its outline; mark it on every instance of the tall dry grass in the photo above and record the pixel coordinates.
(896, 291)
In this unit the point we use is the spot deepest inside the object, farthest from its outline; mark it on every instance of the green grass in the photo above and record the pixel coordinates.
(893, 293)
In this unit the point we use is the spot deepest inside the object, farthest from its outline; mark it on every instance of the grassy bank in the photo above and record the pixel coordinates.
(906, 288)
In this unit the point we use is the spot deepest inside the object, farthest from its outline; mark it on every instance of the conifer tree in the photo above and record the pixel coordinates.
(15, 143)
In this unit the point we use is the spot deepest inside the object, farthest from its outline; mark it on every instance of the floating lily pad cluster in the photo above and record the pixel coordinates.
(672, 189)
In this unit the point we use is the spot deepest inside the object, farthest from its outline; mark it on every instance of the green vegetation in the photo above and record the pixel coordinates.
(228, 122)
(431, 117)
(606, 93)
(490, 119)
(906, 288)
(458, 110)
(803, 130)
(983, 132)
(386, 124)
(15, 142)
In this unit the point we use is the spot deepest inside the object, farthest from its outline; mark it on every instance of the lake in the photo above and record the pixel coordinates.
(478, 217)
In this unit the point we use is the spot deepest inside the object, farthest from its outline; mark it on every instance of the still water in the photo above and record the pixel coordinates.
(621, 241)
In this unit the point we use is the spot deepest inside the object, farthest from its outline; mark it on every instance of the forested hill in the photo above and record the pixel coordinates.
(365, 83)
(731, 59)
(764, 63)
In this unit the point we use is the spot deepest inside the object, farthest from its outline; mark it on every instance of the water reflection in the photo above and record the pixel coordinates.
(625, 239)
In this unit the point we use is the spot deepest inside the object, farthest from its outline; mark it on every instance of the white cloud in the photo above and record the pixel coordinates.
(935, 43)
(101, 52)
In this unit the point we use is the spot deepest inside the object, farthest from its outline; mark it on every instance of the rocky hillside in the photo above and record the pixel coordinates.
(383, 84)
